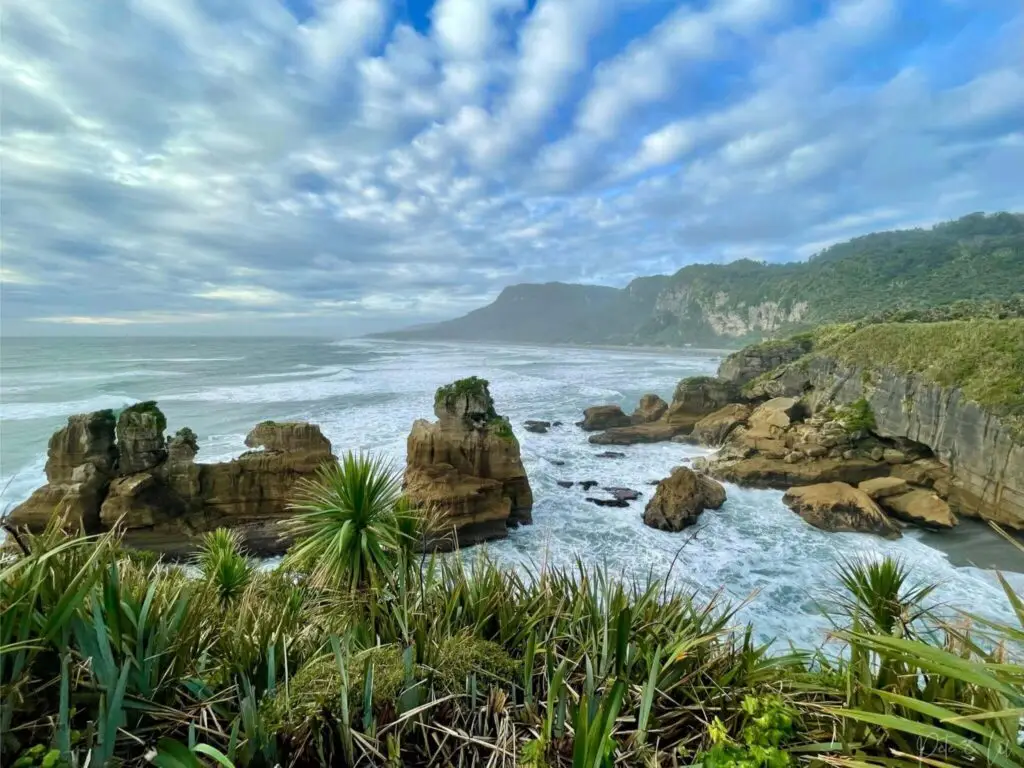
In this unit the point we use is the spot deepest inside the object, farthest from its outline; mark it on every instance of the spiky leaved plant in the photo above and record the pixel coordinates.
(353, 527)
(224, 564)
(882, 594)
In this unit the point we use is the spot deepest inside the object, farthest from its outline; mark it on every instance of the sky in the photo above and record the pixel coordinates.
(346, 166)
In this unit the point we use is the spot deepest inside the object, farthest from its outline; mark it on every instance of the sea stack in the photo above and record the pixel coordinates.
(467, 467)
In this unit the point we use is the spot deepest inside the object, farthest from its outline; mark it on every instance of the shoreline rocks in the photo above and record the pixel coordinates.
(839, 507)
(680, 499)
(467, 465)
(106, 471)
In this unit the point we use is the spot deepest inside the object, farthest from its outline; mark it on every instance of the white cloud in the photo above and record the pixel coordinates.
(244, 294)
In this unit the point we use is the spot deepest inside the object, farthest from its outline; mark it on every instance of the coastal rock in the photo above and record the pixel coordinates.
(839, 507)
(610, 455)
(880, 487)
(655, 432)
(586, 485)
(599, 417)
(613, 502)
(749, 363)
(982, 452)
(81, 459)
(696, 397)
(921, 507)
(651, 408)
(680, 498)
(762, 472)
(623, 494)
(140, 438)
(467, 465)
(539, 427)
(714, 429)
(167, 506)
(773, 418)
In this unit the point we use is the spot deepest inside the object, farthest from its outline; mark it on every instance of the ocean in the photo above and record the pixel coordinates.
(365, 395)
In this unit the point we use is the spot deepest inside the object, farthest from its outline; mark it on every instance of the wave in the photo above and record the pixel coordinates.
(50, 410)
(179, 359)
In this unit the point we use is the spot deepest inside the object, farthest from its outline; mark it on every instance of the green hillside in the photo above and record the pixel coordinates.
(978, 258)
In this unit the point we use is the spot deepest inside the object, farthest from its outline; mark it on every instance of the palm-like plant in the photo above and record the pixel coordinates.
(353, 527)
(224, 564)
(881, 592)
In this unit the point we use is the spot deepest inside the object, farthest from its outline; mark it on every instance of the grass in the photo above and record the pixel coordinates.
(149, 408)
(109, 659)
(983, 358)
(472, 388)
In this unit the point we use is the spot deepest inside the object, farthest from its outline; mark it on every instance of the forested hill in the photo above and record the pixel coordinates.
(977, 258)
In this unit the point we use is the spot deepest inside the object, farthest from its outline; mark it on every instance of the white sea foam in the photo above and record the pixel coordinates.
(49, 410)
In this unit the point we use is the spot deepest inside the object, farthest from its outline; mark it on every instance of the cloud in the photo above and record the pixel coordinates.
(250, 167)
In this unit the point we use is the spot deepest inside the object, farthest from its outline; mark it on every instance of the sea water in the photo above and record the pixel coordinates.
(365, 395)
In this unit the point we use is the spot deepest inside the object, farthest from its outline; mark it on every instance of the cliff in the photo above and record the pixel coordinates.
(956, 388)
(977, 258)
(103, 471)
(467, 467)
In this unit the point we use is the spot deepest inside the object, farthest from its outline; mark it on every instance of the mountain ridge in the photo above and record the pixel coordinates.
(979, 257)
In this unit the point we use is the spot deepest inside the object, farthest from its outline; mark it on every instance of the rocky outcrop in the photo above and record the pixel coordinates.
(655, 432)
(839, 507)
(154, 490)
(537, 427)
(467, 466)
(650, 408)
(880, 487)
(983, 455)
(714, 429)
(763, 472)
(603, 417)
(758, 359)
(698, 396)
(680, 498)
(81, 460)
(921, 507)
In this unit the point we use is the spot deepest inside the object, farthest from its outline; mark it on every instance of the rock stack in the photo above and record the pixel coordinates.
(104, 471)
(467, 467)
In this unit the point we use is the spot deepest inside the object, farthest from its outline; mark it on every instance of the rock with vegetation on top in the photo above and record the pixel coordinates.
(167, 506)
(467, 466)
(714, 429)
(680, 498)
(839, 507)
(920, 507)
(758, 359)
(599, 417)
(697, 396)
(650, 408)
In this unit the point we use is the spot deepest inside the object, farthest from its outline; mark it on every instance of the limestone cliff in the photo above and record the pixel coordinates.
(956, 388)
(104, 472)
(467, 467)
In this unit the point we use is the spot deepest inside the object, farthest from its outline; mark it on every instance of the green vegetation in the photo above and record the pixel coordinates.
(971, 267)
(502, 427)
(983, 358)
(856, 417)
(357, 656)
(148, 408)
(472, 389)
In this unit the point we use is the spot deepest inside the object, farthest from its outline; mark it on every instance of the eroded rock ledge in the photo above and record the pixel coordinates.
(103, 471)
(467, 466)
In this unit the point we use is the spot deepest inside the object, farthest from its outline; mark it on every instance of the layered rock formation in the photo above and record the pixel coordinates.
(655, 421)
(600, 417)
(680, 499)
(104, 472)
(467, 467)
(839, 507)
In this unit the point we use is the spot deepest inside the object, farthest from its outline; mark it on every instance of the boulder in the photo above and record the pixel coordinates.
(651, 408)
(921, 507)
(564, 483)
(140, 438)
(892, 456)
(610, 455)
(654, 432)
(600, 417)
(839, 507)
(623, 494)
(608, 502)
(771, 419)
(538, 427)
(696, 397)
(880, 487)
(586, 485)
(291, 436)
(467, 465)
(714, 429)
(680, 499)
